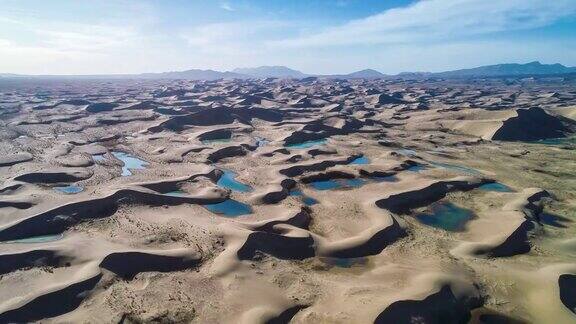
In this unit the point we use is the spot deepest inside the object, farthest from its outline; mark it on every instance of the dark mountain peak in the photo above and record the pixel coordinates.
(510, 69)
(366, 73)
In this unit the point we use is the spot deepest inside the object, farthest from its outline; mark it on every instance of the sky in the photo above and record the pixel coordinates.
(313, 36)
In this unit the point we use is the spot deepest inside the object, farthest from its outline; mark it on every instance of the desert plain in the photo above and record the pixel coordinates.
(288, 201)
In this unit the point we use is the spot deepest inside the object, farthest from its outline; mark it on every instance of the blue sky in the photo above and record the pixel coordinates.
(340, 36)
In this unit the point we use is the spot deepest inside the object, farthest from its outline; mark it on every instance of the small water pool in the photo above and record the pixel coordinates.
(38, 239)
(416, 168)
(495, 186)
(70, 189)
(361, 160)
(447, 216)
(308, 201)
(229, 208)
(227, 180)
(130, 163)
(337, 184)
(307, 144)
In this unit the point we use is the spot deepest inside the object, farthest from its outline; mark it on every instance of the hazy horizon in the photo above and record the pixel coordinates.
(315, 37)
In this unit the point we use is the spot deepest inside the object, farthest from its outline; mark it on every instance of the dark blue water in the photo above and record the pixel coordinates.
(495, 186)
(227, 180)
(337, 184)
(130, 163)
(308, 201)
(229, 208)
(458, 168)
(416, 168)
(39, 239)
(447, 216)
(307, 144)
(345, 262)
(360, 160)
(70, 189)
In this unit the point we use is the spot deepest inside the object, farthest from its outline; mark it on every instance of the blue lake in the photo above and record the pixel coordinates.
(447, 216)
(416, 168)
(229, 208)
(227, 180)
(308, 201)
(130, 163)
(337, 184)
(70, 189)
(361, 160)
(307, 144)
(495, 186)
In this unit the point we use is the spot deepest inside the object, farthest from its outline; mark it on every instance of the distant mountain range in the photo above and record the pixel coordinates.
(532, 68)
(270, 72)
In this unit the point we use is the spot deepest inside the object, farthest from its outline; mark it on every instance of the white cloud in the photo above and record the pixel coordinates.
(239, 37)
(226, 6)
(434, 20)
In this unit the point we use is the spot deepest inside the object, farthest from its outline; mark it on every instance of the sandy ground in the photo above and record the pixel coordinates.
(139, 242)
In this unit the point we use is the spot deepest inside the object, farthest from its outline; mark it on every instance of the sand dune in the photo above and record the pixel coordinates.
(288, 201)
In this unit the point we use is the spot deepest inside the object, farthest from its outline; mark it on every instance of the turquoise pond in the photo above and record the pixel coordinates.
(345, 262)
(308, 201)
(337, 184)
(70, 189)
(446, 216)
(458, 168)
(229, 208)
(227, 180)
(130, 163)
(39, 239)
(361, 160)
(495, 186)
(307, 144)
